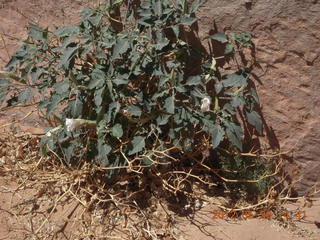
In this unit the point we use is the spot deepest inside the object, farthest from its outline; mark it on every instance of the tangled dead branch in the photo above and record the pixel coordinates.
(143, 204)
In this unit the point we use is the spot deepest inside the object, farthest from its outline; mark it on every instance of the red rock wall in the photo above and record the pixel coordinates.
(287, 40)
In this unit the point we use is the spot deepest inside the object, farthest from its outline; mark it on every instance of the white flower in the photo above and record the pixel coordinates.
(205, 104)
(72, 124)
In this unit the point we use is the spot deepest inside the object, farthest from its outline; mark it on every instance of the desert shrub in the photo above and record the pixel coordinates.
(129, 86)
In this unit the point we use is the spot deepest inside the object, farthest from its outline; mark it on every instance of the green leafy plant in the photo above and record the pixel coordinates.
(121, 88)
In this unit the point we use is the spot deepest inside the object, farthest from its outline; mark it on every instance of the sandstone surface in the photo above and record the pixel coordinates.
(287, 41)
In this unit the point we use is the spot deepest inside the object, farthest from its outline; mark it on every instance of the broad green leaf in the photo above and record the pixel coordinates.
(53, 103)
(10, 75)
(194, 80)
(158, 8)
(117, 130)
(244, 39)
(98, 79)
(252, 92)
(197, 93)
(163, 119)
(121, 79)
(43, 104)
(103, 151)
(229, 108)
(185, 20)
(77, 106)
(95, 19)
(36, 73)
(235, 80)
(228, 49)
(234, 133)
(86, 12)
(162, 43)
(237, 101)
(163, 80)
(176, 30)
(112, 111)
(169, 105)
(134, 110)
(36, 32)
(4, 83)
(220, 37)
(183, 4)
(61, 87)
(116, 2)
(218, 87)
(3, 94)
(98, 96)
(66, 31)
(69, 53)
(180, 89)
(138, 144)
(68, 152)
(121, 47)
(147, 161)
(195, 5)
(26, 95)
(255, 120)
